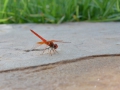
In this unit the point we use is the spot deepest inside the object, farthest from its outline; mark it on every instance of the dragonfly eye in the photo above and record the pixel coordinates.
(55, 46)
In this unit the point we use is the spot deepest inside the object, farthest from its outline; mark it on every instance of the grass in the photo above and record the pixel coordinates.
(58, 11)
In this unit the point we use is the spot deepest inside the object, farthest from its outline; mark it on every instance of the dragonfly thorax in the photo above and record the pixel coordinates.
(52, 45)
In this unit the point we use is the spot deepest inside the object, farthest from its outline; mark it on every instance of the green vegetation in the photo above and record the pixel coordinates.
(58, 11)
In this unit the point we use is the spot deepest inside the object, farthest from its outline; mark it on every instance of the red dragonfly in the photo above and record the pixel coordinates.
(49, 43)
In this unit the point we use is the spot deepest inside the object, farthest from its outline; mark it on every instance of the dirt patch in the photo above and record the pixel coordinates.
(100, 72)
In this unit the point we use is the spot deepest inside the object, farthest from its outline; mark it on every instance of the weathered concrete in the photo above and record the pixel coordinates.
(98, 43)
(86, 39)
(99, 73)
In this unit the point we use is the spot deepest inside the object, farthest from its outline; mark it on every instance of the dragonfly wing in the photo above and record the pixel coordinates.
(36, 45)
(56, 40)
(41, 43)
(59, 41)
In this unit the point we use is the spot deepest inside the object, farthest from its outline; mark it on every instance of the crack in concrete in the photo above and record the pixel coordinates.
(53, 65)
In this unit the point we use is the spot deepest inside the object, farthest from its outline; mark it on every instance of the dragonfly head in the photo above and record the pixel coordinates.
(55, 46)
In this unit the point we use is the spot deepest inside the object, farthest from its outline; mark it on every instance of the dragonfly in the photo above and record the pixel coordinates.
(50, 43)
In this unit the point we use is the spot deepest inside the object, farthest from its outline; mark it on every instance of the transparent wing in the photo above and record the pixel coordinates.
(59, 41)
(41, 43)
(37, 45)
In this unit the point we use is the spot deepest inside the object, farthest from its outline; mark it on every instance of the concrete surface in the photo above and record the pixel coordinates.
(91, 73)
(86, 39)
(91, 60)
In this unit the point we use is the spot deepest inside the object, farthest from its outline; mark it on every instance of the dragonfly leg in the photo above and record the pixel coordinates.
(35, 46)
(47, 50)
(43, 51)
(50, 51)
(55, 50)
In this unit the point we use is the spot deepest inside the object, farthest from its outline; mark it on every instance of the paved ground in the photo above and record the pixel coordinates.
(87, 39)
(99, 73)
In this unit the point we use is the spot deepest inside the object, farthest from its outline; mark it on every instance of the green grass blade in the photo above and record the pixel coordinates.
(110, 6)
